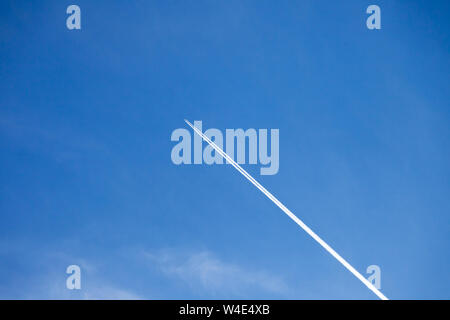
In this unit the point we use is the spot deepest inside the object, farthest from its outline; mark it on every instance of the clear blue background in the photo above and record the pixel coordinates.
(86, 176)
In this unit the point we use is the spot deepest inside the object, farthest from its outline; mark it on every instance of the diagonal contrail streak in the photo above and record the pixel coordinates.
(291, 215)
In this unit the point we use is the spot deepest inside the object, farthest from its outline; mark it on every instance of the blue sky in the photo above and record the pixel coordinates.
(85, 169)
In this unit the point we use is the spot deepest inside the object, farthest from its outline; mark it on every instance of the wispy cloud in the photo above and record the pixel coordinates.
(203, 271)
(94, 291)
(43, 276)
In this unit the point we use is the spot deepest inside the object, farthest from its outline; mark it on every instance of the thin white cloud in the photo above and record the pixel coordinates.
(205, 272)
(52, 286)
(92, 291)
(48, 279)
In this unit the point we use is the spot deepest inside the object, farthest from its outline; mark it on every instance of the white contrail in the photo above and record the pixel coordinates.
(291, 215)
